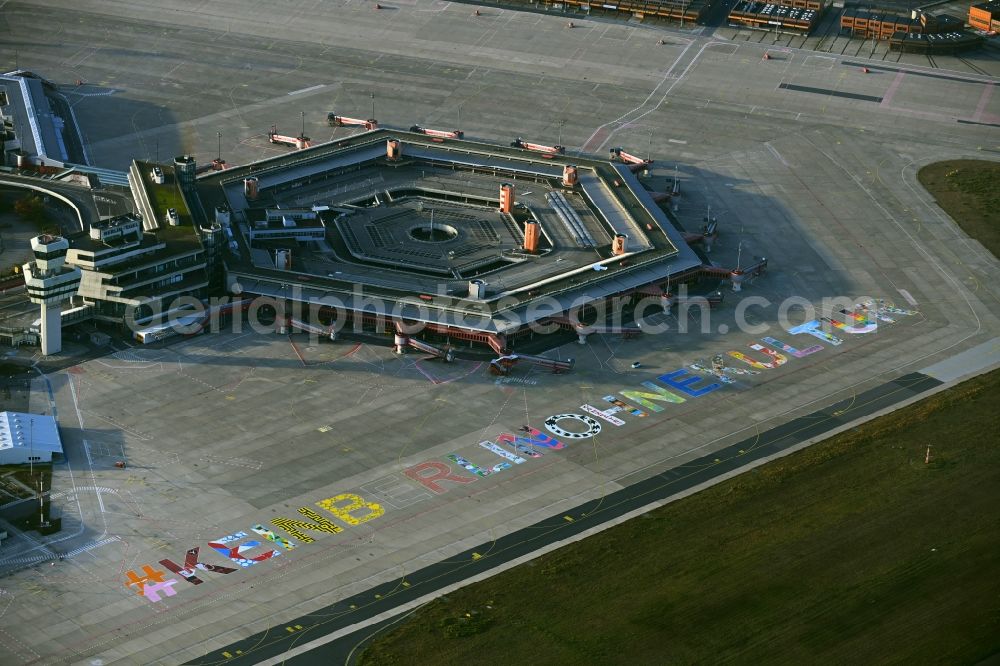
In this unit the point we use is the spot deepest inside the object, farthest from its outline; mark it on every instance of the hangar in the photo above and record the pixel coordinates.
(29, 438)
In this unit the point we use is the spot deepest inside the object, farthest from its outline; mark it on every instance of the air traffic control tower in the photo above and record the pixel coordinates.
(50, 282)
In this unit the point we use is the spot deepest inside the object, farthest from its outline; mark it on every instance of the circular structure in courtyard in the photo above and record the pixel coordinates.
(433, 233)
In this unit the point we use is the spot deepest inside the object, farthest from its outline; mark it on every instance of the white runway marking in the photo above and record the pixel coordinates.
(777, 155)
(305, 90)
(91, 546)
(909, 299)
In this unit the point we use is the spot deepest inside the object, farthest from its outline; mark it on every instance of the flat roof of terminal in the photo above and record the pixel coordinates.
(39, 126)
(614, 193)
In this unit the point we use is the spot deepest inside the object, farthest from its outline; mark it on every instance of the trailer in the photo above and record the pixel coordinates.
(503, 364)
(334, 120)
(537, 147)
(299, 142)
(634, 162)
(186, 322)
(708, 234)
(329, 332)
(446, 354)
(439, 134)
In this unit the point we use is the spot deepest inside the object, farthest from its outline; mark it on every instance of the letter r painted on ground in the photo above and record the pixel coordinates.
(684, 385)
(429, 473)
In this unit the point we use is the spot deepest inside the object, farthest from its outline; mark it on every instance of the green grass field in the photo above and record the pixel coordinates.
(853, 550)
(969, 191)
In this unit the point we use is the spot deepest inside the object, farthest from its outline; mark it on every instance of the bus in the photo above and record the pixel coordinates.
(186, 324)
(177, 326)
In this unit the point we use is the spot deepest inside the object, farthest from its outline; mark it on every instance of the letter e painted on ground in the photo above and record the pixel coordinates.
(684, 385)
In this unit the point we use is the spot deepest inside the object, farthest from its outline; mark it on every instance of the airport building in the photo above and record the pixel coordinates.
(474, 243)
(796, 16)
(39, 125)
(389, 229)
(126, 269)
(684, 11)
(985, 16)
(29, 438)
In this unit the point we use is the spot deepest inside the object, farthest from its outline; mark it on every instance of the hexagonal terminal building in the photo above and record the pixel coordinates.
(467, 240)
(50, 282)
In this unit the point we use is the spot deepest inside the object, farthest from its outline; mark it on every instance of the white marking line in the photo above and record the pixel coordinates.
(91, 546)
(675, 141)
(90, 464)
(777, 155)
(905, 294)
(665, 93)
(305, 90)
(666, 76)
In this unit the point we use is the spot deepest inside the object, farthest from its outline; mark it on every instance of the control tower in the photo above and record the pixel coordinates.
(50, 282)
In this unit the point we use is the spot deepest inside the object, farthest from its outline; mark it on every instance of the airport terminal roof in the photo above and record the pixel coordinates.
(40, 127)
(337, 173)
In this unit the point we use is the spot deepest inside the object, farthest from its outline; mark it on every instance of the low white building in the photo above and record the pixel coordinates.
(28, 438)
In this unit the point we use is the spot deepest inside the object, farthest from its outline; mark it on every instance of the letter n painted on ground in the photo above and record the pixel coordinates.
(429, 473)
(659, 394)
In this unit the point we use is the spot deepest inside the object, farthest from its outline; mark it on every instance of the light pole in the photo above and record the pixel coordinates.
(373, 104)
(41, 505)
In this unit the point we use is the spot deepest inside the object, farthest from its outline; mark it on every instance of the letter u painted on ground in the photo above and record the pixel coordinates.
(788, 349)
(776, 359)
